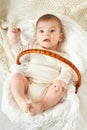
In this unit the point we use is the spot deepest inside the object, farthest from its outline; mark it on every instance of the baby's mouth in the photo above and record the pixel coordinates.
(46, 40)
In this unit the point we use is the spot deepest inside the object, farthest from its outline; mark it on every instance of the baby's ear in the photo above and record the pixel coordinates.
(61, 37)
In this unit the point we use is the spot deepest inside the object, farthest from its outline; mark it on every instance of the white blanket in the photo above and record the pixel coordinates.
(65, 115)
(73, 110)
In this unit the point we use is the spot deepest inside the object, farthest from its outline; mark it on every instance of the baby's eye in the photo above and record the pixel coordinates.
(52, 30)
(41, 31)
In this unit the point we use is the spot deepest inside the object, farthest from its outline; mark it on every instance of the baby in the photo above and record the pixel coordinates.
(41, 81)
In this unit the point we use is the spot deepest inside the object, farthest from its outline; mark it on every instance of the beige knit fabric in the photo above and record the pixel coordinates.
(4, 5)
(77, 9)
(15, 10)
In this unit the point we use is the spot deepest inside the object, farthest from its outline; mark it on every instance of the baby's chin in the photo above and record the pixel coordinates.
(45, 47)
(49, 48)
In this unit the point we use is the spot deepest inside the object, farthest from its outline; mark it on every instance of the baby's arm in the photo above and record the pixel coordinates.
(15, 36)
(16, 44)
(67, 74)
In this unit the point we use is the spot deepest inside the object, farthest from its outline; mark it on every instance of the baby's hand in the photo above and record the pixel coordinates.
(15, 36)
(60, 85)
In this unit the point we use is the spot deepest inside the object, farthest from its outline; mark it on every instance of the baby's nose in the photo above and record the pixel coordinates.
(46, 33)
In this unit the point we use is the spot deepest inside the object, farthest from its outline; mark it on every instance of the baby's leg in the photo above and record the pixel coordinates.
(19, 88)
(53, 96)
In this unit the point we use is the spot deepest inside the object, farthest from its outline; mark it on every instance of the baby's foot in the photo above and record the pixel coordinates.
(30, 107)
(24, 105)
(35, 108)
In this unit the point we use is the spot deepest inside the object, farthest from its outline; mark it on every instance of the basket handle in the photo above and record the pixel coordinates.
(61, 58)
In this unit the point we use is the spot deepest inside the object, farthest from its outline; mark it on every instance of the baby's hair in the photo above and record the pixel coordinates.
(48, 17)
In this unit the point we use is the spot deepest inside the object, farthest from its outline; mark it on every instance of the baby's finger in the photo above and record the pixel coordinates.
(62, 89)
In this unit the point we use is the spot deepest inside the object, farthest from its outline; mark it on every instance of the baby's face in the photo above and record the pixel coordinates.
(48, 34)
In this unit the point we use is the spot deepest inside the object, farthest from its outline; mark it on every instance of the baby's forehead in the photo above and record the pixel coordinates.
(48, 23)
